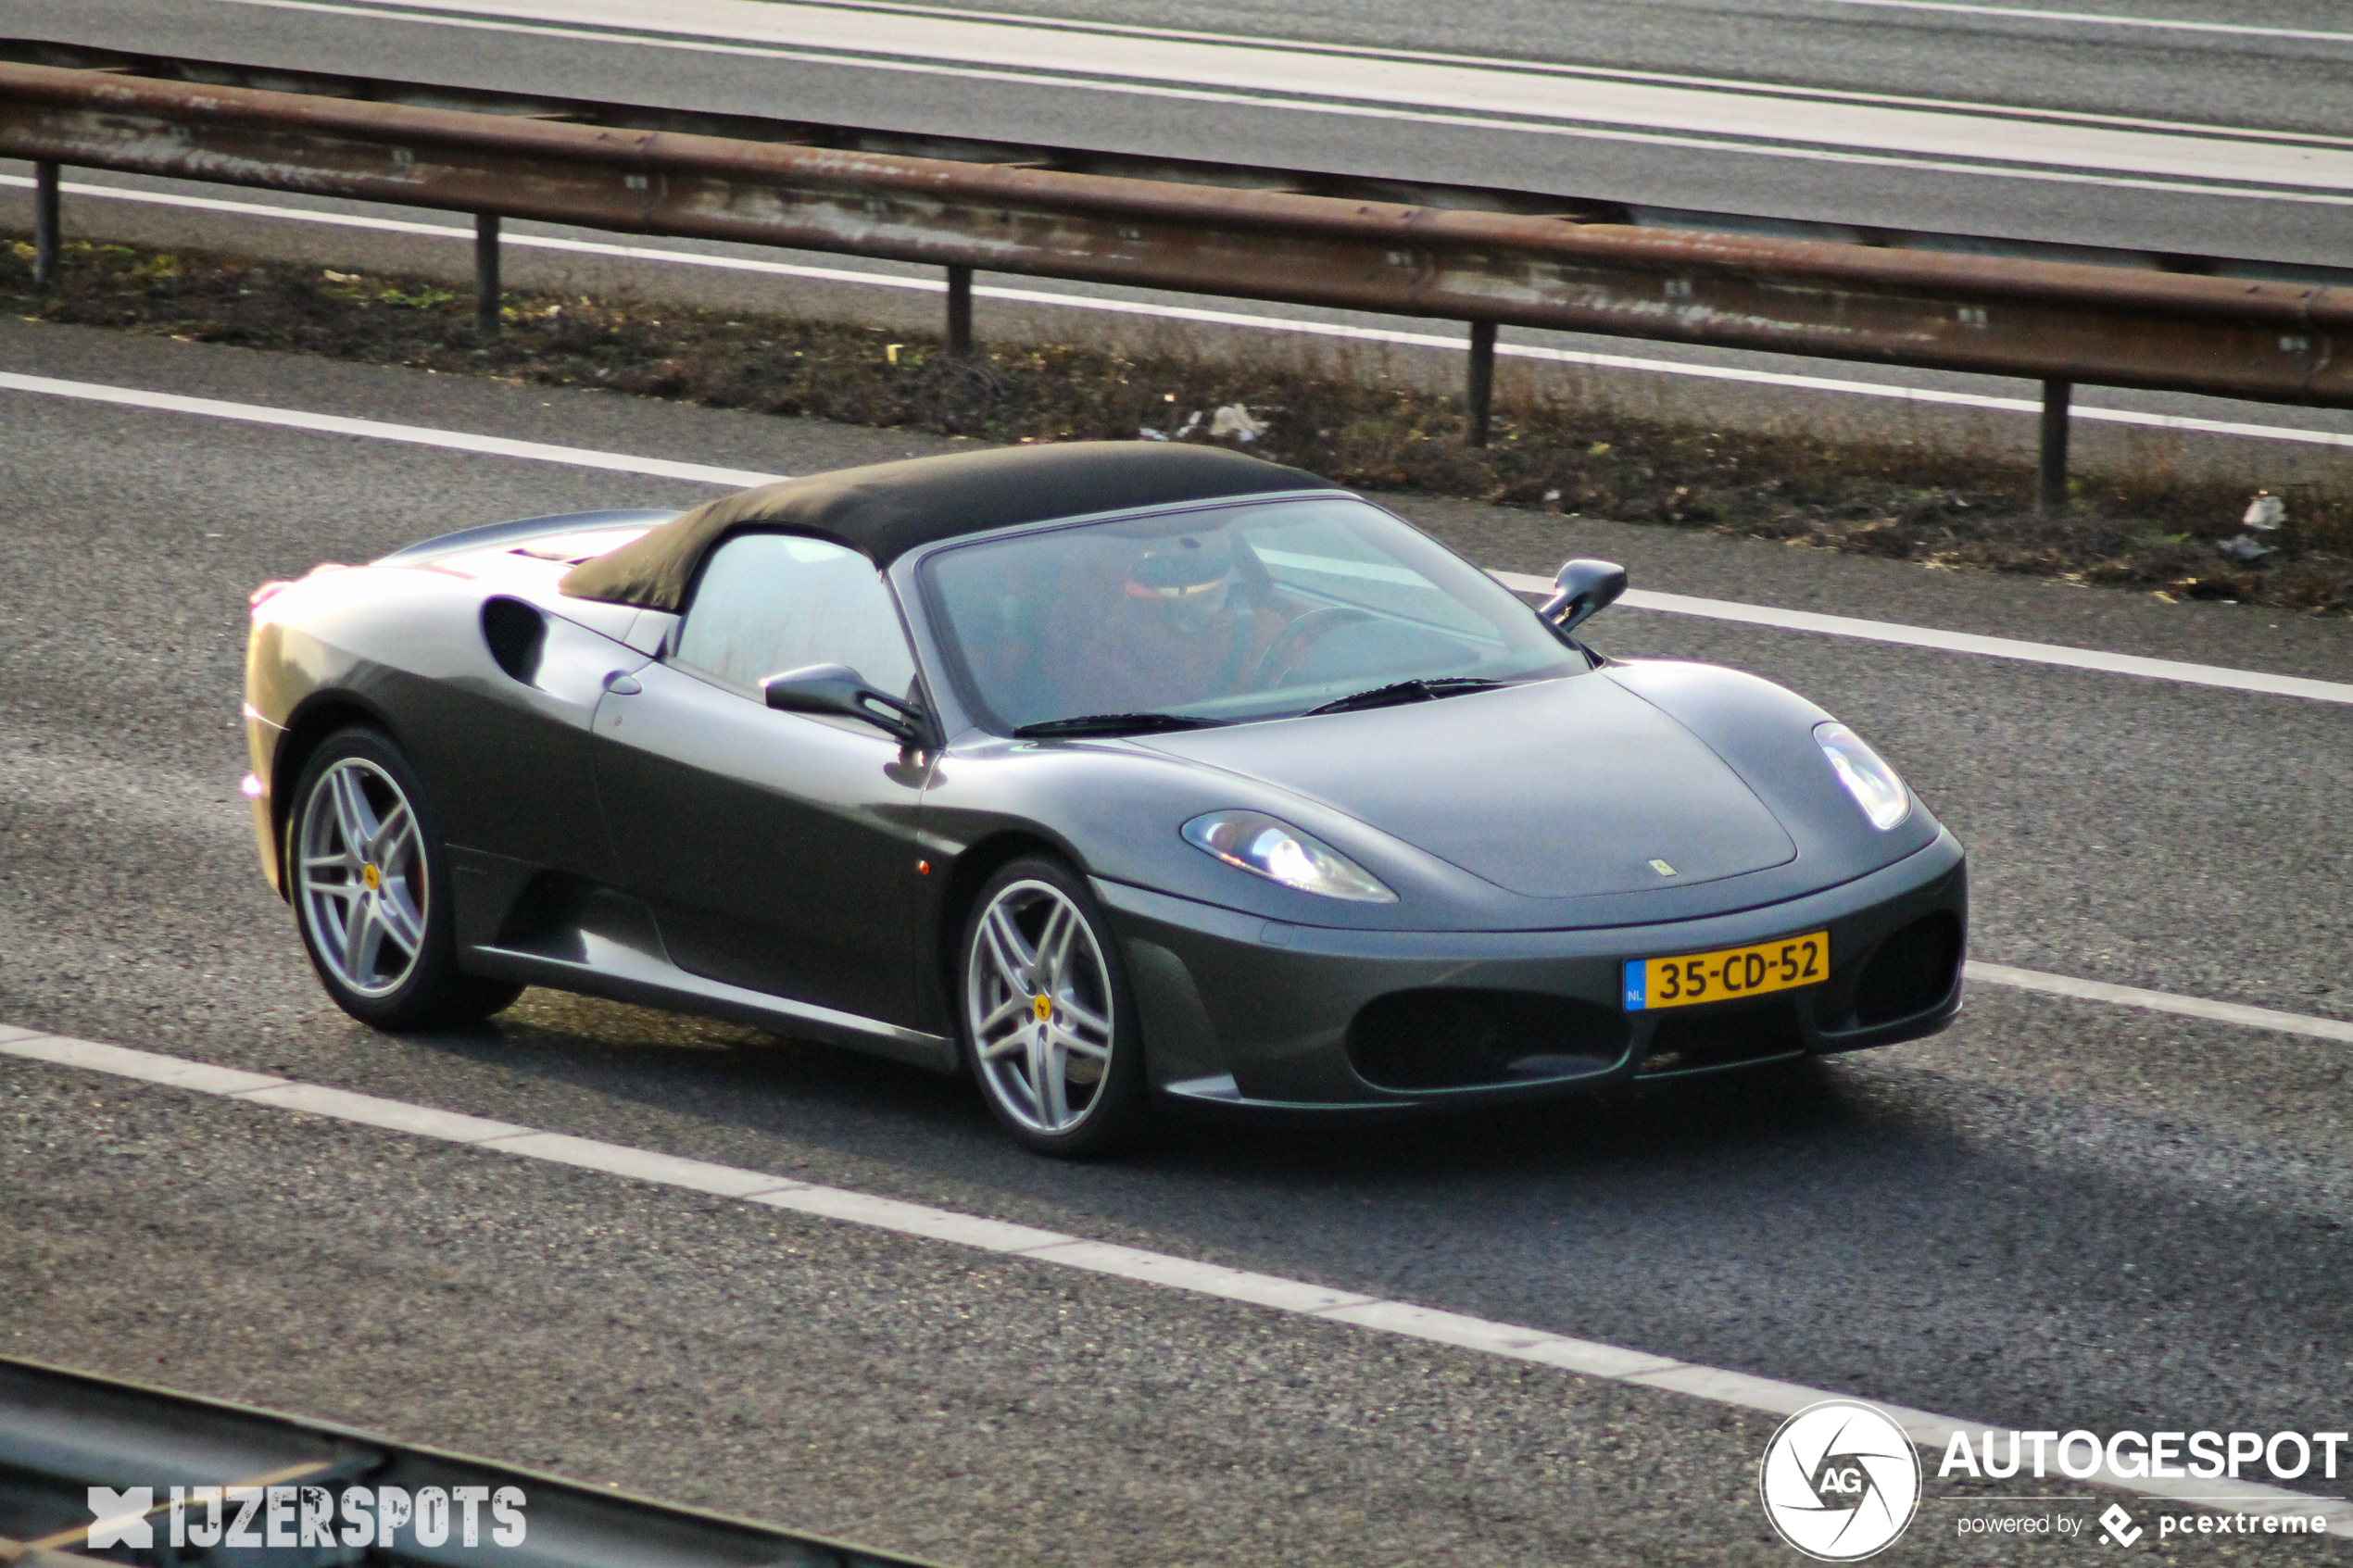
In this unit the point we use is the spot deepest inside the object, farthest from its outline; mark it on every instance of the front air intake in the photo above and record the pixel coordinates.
(1461, 1038)
(1912, 971)
(1701, 1039)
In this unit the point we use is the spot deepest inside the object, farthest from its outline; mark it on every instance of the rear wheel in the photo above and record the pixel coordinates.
(369, 885)
(1050, 1028)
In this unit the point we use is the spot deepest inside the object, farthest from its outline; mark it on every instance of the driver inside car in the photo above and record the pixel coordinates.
(1180, 619)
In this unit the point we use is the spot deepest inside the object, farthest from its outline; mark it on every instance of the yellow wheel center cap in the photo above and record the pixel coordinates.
(371, 877)
(1043, 1007)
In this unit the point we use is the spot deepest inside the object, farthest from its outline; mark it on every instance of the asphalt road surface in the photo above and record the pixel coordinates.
(2060, 1214)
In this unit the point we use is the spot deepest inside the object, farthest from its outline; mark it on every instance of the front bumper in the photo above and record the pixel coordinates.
(1240, 1010)
(262, 748)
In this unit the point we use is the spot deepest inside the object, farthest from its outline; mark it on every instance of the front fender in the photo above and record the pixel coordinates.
(1764, 734)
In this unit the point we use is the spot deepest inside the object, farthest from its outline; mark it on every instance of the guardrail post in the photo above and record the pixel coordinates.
(2050, 478)
(486, 273)
(960, 311)
(1479, 387)
(44, 223)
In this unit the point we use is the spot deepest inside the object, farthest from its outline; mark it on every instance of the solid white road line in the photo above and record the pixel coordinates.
(2026, 144)
(1584, 1357)
(2161, 1001)
(1962, 642)
(2242, 30)
(377, 429)
(1636, 599)
(1497, 62)
(1214, 318)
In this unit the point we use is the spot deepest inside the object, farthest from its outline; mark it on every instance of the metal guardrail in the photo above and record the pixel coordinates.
(62, 1433)
(1132, 166)
(1485, 257)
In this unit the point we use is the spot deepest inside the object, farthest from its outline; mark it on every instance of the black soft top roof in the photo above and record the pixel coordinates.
(887, 509)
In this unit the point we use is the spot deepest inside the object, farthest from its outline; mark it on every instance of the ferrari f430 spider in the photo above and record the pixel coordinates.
(1103, 772)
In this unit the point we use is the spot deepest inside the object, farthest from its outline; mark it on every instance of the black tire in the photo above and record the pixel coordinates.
(398, 969)
(1076, 1010)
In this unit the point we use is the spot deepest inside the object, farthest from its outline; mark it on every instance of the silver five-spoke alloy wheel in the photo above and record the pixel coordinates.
(1038, 1003)
(360, 874)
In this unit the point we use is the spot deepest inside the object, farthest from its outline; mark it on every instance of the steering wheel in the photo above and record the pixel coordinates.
(1293, 642)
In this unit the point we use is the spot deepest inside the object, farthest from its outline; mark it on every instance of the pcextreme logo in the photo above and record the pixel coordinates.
(1840, 1481)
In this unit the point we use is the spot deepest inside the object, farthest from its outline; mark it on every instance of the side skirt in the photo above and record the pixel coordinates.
(521, 922)
(608, 969)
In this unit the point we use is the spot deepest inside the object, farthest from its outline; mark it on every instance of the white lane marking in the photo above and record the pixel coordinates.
(668, 1170)
(2163, 1002)
(2242, 30)
(1585, 1358)
(1635, 598)
(1213, 318)
(910, 1219)
(1498, 62)
(1962, 642)
(1288, 67)
(377, 429)
(124, 1062)
(1206, 1279)
(2050, 147)
(394, 1115)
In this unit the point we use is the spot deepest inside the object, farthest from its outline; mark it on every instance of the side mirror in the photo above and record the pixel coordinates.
(838, 690)
(1581, 590)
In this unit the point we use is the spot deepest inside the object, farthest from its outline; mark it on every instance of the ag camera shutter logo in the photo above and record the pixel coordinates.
(1840, 1481)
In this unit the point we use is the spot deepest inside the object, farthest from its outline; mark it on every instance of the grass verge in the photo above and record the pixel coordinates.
(1345, 412)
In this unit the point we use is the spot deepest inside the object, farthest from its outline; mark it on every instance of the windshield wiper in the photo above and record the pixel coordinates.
(1408, 691)
(1113, 724)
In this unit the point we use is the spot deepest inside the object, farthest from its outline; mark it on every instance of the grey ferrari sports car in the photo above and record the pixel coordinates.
(1104, 773)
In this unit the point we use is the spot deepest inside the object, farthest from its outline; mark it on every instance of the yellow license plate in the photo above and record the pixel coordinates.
(1728, 974)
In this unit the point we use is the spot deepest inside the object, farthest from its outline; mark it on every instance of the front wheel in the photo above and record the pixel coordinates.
(371, 891)
(1049, 1027)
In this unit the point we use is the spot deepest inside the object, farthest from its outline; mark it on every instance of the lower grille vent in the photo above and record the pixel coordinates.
(1451, 1039)
(1696, 1040)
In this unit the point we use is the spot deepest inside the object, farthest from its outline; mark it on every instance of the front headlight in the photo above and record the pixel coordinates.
(1866, 775)
(1280, 852)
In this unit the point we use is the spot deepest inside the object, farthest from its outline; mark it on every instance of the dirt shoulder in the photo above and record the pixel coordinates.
(1340, 413)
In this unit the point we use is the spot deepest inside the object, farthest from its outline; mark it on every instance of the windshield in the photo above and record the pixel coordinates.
(1226, 614)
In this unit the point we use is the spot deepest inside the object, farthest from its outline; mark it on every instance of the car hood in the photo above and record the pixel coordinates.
(1564, 788)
